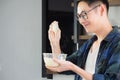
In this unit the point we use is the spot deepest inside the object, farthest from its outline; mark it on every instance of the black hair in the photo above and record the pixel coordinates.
(89, 2)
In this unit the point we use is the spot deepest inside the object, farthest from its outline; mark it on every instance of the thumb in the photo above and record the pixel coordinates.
(56, 60)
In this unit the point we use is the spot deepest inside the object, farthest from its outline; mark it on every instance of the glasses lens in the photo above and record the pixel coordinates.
(83, 15)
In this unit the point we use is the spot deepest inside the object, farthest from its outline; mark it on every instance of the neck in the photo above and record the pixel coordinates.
(101, 34)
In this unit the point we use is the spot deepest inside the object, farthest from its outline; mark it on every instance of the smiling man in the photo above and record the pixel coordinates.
(99, 57)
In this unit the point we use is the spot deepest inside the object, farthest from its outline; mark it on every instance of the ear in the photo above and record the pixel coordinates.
(102, 9)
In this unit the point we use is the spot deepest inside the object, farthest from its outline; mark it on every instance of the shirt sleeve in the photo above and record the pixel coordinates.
(77, 55)
(72, 58)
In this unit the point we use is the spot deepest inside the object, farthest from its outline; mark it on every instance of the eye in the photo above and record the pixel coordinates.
(84, 15)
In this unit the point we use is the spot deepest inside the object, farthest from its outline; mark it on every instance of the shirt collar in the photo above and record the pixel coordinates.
(109, 37)
(112, 34)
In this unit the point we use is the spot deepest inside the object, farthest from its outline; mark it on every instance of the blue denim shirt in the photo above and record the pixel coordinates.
(108, 60)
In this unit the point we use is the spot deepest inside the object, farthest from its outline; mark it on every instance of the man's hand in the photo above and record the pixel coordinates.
(54, 37)
(62, 66)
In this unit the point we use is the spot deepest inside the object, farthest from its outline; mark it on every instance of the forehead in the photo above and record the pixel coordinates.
(82, 6)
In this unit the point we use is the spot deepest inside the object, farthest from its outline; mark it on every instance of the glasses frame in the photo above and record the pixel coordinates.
(84, 14)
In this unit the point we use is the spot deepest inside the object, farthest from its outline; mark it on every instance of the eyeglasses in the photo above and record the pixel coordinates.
(84, 15)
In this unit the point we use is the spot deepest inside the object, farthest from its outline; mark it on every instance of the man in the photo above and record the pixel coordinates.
(99, 57)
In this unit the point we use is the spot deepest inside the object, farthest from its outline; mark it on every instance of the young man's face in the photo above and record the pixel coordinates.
(88, 16)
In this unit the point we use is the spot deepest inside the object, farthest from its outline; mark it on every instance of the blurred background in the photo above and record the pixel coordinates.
(23, 35)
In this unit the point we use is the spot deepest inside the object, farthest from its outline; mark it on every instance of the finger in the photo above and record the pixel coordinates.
(55, 69)
(57, 61)
(50, 28)
(50, 67)
(51, 25)
(50, 32)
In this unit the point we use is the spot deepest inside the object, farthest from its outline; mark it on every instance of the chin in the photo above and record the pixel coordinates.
(88, 31)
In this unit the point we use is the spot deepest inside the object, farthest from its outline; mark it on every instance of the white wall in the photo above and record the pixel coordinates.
(20, 39)
(114, 15)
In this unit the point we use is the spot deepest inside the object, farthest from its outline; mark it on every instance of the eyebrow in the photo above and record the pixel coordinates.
(93, 8)
(89, 10)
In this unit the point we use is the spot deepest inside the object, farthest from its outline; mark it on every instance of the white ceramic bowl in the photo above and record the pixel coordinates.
(48, 58)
